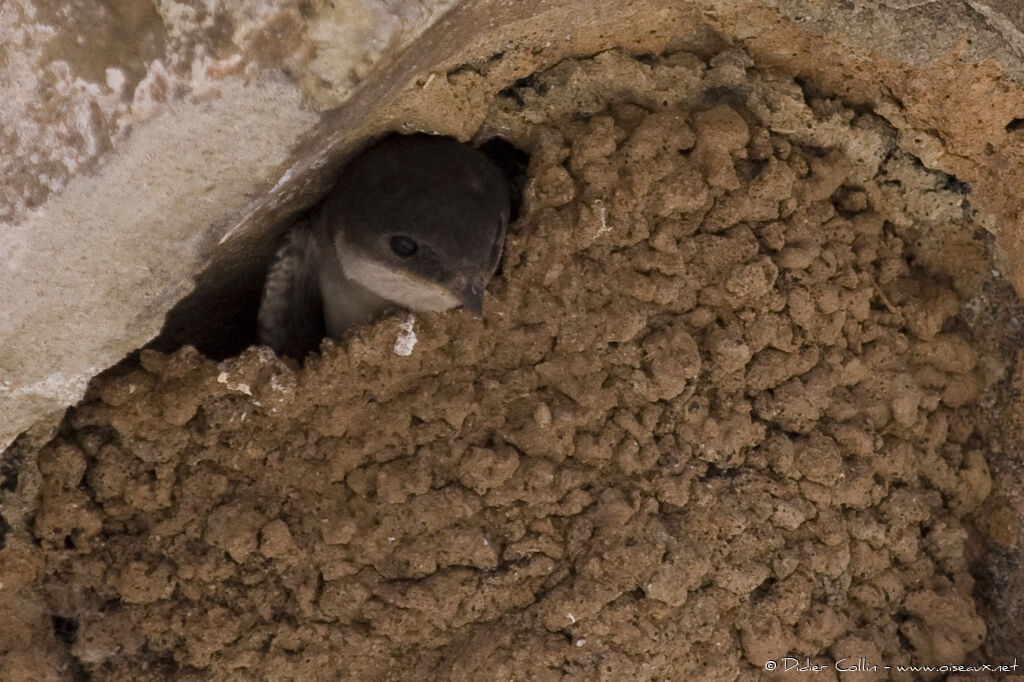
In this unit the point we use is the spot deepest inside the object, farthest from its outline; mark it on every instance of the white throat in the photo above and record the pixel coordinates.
(396, 286)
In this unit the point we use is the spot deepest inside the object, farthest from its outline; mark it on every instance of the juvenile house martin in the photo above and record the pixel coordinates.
(413, 221)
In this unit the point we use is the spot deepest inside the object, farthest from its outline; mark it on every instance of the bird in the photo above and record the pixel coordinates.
(412, 221)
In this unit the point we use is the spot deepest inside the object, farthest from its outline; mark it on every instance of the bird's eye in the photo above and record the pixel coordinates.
(403, 246)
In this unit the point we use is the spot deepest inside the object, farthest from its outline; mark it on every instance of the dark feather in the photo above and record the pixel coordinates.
(291, 318)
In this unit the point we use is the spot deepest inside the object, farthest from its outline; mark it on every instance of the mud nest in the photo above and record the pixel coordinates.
(730, 401)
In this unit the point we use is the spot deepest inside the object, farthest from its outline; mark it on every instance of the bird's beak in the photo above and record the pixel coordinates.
(471, 295)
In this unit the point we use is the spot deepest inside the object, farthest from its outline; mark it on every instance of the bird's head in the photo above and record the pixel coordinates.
(421, 221)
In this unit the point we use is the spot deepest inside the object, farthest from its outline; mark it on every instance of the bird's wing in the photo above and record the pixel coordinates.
(291, 317)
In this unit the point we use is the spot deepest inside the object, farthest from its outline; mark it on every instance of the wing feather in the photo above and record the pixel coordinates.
(291, 317)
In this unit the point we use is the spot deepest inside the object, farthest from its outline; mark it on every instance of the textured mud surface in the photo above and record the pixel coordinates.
(732, 399)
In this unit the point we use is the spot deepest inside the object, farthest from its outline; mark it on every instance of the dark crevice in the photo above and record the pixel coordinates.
(763, 590)
(1015, 125)
(64, 629)
(531, 82)
(10, 463)
(227, 324)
